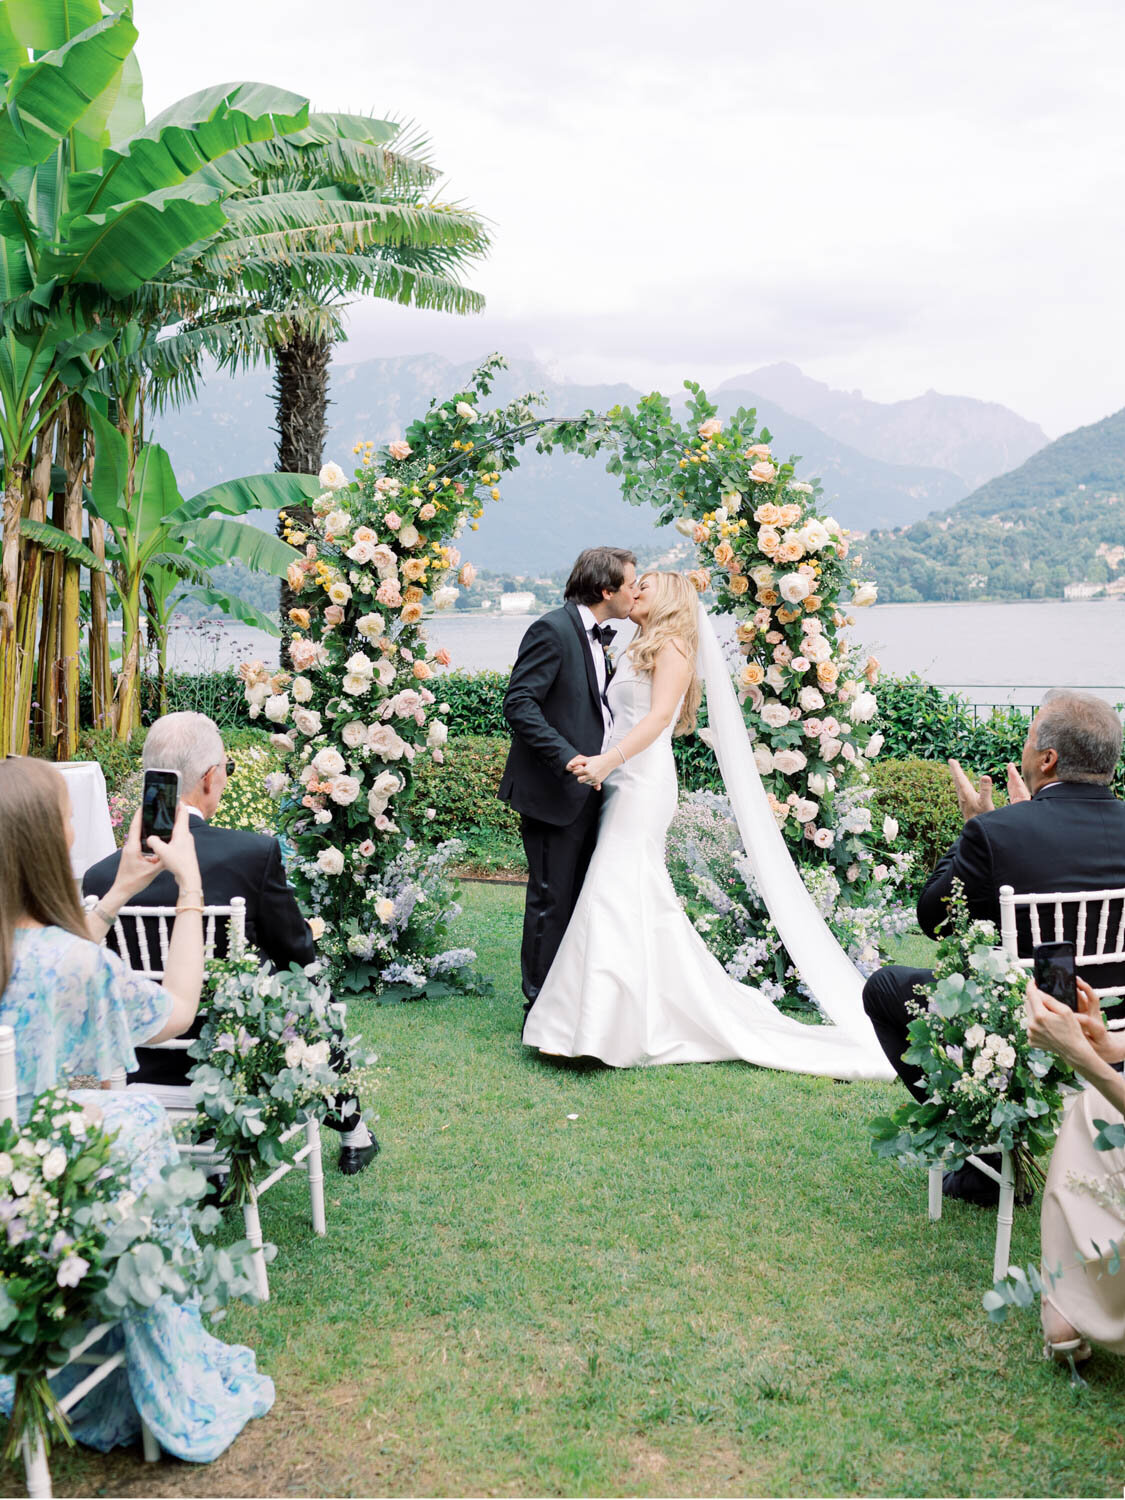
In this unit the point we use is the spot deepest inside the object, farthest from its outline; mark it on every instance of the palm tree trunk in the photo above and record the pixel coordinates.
(31, 573)
(101, 679)
(47, 681)
(66, 744)
(301, 393)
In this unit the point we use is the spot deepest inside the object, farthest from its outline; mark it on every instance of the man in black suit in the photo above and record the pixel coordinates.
(557, 708)
(1063, 830)
(231, 863)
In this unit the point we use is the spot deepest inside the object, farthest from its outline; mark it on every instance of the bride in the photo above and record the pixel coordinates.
(633, 984)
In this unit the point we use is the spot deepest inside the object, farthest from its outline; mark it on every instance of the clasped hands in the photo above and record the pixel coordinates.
(975, 800)
(592, 770)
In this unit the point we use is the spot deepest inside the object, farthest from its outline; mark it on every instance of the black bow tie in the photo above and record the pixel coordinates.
(602, 633)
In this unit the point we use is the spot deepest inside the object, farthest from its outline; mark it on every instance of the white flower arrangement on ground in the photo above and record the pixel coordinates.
(985, 1084)
(78, 1248)
(713, 879)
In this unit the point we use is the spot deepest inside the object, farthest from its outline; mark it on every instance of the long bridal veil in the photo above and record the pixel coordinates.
(830, 976)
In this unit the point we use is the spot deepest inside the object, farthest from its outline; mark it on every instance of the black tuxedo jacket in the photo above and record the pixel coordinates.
(555, 713)
(231, 863)
(1069, 837)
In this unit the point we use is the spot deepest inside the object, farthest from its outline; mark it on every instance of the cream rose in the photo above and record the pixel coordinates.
(793, 587)
(339, 592)
(467, 412)
(710, 429)
(384, 909)
(345, 789)
(865, 707)
(763, 472)
(330, 861)
(445, 598)
(763, 759)
(873, 746)
(307, 721)
(865, 594)
(328, 763)
(399, 449)
(332, 477)
(775, 714)
(277, 708)
(354, 733)
(789, 762)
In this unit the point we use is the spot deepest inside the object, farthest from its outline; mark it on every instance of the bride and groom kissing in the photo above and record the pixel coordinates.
(612, 967)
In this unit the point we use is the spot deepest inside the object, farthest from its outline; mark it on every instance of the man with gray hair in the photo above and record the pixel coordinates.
(231, 863)
(1062, 830)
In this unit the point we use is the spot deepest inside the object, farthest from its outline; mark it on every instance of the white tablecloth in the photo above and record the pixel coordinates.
(93, 833)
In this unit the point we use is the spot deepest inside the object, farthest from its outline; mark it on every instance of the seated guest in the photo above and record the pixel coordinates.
(1078, 1230)
(77, 1009)
(1063, 830)
(231, 863)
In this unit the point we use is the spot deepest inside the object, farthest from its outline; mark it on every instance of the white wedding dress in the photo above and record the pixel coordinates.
(633, 983)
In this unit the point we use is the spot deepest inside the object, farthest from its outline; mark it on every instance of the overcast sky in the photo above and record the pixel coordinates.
(896, 197)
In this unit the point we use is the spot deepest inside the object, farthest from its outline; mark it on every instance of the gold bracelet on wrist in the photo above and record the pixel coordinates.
(180, 910)
(620, 752)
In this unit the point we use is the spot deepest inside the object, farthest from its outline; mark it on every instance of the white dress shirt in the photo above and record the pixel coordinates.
(601, 667)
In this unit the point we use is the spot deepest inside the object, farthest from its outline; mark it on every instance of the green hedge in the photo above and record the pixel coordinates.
(217, 694)
(919, 795)
(462, 792)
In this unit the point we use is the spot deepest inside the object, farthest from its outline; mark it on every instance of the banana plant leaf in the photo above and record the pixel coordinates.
(260, 550)
(230, 604)
(236, 497)
(52, 539)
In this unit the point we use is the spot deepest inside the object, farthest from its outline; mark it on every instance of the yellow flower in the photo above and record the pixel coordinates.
(496, 494)
(431, 486)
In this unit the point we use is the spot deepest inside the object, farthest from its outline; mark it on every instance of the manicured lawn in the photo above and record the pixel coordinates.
(703, 1284)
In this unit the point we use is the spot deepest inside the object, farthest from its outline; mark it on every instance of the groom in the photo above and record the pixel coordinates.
(557, 709)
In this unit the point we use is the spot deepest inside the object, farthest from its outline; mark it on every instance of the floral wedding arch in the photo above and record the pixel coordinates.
(358, 703)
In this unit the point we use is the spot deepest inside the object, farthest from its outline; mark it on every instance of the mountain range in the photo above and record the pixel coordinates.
(1053, 522)
(883, 465)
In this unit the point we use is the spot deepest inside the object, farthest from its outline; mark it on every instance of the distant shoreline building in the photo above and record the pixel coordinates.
(517, 604)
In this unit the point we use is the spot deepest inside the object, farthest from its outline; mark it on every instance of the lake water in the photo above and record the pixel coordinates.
(991, 653)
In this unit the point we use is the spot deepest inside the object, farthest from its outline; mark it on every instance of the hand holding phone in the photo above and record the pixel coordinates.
(1055, 972)
(159, 799)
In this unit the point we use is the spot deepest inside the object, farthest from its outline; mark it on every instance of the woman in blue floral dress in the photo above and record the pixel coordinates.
(76, 1009)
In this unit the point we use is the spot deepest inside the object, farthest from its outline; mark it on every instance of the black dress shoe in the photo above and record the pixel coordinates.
(217, 1183)
(971, 1186)
(353, 1159)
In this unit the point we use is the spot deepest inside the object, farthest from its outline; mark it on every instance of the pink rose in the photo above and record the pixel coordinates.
(466, 576)
(361, 552)
(427, 513)
(399, 450)
(305, 654)
(367, 848)
(334, 615)
(384, 560)
(710, 429)
(393, 520)
(389, 594)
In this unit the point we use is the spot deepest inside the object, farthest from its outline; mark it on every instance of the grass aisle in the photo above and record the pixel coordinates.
(703, 1284)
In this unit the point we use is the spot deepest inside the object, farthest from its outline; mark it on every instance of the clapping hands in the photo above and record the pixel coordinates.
(975, 800)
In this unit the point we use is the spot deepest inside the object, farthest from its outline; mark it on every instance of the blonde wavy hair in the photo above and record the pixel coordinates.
(673, 616)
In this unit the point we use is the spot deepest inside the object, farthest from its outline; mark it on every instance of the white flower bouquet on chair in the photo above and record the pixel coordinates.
(987, 1087)
(273, 1054)
(79, 1249)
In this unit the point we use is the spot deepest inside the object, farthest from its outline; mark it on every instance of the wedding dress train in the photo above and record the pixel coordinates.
(633, 983)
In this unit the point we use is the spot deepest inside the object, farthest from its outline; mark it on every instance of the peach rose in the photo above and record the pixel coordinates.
(411, 614)
(763, 472)
(412, 595)
(738, 584)
(745, 632)
(364, 534)
(751, 675)
(467, 576)
(790, 552)
(428, 512)
(413, 568)
(399, 450)
(787, 616)
(789, 514)
(422, 671)
(769, 540)
(700, 580)
(710, 429)
(871, 669)
(388, 593)
(442, 657)
(724, 554)
(300, 618)
(758, 450)
(295, 577)
(768, 514)
(827, 673)
(813, 603)
(334, 615)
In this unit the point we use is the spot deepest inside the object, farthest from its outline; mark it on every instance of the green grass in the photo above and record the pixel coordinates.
(703, 1284)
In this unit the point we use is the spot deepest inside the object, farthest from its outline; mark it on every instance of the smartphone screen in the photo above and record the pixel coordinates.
(158, 804)
(1055, 971)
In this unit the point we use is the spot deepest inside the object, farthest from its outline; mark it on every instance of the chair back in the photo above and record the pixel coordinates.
(7, 1074)
(1093, 920)
(135, 920)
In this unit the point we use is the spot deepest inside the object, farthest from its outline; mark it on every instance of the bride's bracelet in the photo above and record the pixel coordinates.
(620, 752)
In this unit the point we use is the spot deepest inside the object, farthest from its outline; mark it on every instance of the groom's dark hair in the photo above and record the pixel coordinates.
(597, 569)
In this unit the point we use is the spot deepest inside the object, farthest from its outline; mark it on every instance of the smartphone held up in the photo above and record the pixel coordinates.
(159, 800)
(1055, 972)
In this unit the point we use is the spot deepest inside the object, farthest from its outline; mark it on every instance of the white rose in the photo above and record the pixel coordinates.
(805, 812)
(799, 486)
(294, 1052)
(762, 575)
(823, 838)
(330, 861)
(257, 694)
(810, 699)
(345, 789)
(321, 817)
(302, 689)
(386, 785)
(974, 1037)
(732, 501)
(384, 909)
(336, 522)
(880, 872)
(865, 594)
(830, 748)
(339, 592)
(360, 664)
(370, 627)
(277, 708)
(437, 734)
(275, 783)
(890, 829)
(685, 526)
(1006, 1057)
(813, 535)
(816, 647)
(54, 1163)
(21, 1181)
(445, 598)
(776, 715)
(332, 477)
(307, 721)
(463, 409)
(355, 684)
(409, 537)
(6, 1164)
(865, 707)
(328, 763)
(793, 588)
(982, 1065)
(318, 1053)
(775, 678)
(354, 733)
(873, 746)
(316, 927)
(818, 784)
(763, 759)
(721, 514)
